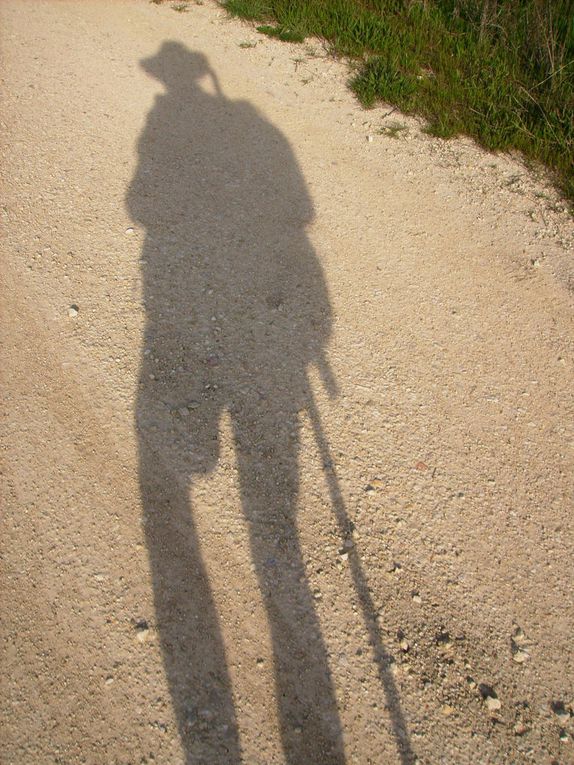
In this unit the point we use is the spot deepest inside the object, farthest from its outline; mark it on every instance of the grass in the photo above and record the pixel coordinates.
(393, 129)
(501, 71)
(282, 32)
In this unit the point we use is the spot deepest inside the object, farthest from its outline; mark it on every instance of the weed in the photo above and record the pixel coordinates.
(393, 129)
(282, 33)
(180, 7)
(247, 44)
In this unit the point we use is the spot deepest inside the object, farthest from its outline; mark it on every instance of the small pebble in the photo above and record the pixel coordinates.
(489, 697)
(520, 657)
(447, 710)
(417, 598)
(369, 139)
(129, 230)
(493, 705)
(142, 630)
(559, 709)
(73, 311)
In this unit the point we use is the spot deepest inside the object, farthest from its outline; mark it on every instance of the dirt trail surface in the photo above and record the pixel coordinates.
(287, 412)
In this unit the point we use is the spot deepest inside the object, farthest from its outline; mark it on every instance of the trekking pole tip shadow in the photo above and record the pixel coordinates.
(381, 656)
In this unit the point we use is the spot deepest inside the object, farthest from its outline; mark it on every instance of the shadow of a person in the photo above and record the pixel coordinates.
(236, 311)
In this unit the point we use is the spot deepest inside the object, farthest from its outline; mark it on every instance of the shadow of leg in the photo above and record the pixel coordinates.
(187, 622)
(267, 457)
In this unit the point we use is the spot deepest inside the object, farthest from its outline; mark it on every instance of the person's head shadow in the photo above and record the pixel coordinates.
(177, 67)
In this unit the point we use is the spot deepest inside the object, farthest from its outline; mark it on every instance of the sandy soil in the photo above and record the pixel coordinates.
(287, 412)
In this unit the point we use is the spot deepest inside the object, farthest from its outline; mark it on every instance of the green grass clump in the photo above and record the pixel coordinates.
(393, 130)
(282, 33)
(501, 71)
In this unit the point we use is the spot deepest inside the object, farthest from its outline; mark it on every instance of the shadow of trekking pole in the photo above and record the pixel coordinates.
(381, 656)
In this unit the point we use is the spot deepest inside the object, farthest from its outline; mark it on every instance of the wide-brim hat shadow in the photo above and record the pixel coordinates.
(174, 61)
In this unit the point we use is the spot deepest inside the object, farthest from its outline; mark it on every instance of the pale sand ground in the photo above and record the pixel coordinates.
(250, 233)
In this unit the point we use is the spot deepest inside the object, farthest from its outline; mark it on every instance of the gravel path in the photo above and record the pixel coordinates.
(287, 412)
